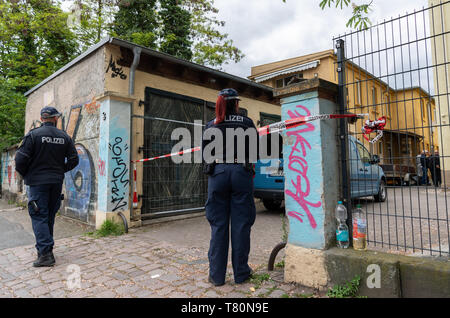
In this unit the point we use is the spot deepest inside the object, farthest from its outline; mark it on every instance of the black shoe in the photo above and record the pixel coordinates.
(214, 283)
(247, 279)
(45, 260)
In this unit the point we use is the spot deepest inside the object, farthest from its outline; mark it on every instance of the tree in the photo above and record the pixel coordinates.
(137, 21)
(91, 20)
(175, 33)
(183, 28)
(12, 115)
(210, 46)
(34, 42)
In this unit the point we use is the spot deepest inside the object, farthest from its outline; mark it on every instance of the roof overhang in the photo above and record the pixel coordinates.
(163, 57)
(287, 71)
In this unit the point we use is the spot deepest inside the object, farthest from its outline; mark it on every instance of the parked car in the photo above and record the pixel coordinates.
(366, 177)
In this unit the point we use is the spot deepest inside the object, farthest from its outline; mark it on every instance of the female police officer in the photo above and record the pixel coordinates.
(230, 187)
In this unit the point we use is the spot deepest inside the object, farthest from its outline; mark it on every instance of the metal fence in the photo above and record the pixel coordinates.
(399, 69)
(171, 188)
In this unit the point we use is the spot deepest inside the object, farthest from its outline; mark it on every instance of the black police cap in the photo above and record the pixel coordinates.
(49, 111)
(229, 93)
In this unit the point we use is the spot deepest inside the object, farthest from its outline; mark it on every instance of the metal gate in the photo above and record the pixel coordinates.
(170, 188)
(399, 69)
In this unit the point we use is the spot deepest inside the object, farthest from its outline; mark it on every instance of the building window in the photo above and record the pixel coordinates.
(279, 83)
(374, 100)
(358, 91)
(387, 105)
(288, 80)
(430, 117)
(374, 96)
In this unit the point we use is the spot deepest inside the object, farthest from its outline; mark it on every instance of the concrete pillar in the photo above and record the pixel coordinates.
(114, 184)
(312, 177)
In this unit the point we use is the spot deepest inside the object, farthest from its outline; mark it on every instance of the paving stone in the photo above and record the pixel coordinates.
(127, 290)
(169, 277)
(22, 293)
(278, 293)
(177, 295)
(211, 294)
(41, 290)
(165, 291)
(106, 294)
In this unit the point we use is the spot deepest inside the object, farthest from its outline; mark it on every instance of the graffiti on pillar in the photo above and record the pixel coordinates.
(101, 167)
(120, 175)
(299, 166)
(79, 185)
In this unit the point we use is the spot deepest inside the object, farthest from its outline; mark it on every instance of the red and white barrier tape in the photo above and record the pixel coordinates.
(269, 129)
(374, 126)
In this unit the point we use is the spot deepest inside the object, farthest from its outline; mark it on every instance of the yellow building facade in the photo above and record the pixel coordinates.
(410, 112)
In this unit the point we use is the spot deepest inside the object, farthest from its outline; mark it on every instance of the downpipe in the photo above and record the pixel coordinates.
(137, 57)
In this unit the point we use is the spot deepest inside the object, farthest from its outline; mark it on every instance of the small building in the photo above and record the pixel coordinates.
(120, 103)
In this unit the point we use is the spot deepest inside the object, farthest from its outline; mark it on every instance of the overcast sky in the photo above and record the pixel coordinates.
(270, 30)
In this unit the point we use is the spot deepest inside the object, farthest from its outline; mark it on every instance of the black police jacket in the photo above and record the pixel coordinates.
(228, 149)
(45, 154)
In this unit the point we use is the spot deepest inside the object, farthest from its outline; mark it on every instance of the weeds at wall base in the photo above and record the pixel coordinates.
(108, 228)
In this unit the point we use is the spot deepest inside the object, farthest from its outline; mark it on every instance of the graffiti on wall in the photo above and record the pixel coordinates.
(79, 184)
(10, 179)
(78, 181)
(92, 106)
(115, 70)
(298, 166)
(120, 175)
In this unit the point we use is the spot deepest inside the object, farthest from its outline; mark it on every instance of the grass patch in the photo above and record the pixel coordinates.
(258, 279)
(349, 290)
(108, 228)
(280, 264)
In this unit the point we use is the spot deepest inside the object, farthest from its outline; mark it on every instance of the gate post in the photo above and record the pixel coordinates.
(311, 169)
(343, 135)
(114, 182)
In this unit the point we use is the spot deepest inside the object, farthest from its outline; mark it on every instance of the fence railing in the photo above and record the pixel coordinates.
(399, 69)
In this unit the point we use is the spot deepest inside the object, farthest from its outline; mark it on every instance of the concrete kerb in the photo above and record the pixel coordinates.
(399, 276)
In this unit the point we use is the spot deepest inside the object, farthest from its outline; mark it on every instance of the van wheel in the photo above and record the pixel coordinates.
(382, 194)
(272, 205)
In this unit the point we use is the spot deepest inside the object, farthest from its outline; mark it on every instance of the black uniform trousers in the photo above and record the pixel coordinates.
(230, 199)
(48, 199)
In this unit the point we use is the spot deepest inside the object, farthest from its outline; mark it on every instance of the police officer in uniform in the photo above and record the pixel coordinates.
(230, 193)
(44, 155)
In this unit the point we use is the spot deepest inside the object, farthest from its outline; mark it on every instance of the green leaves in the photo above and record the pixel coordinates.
(12, 115)
(34, 42)
(359, 19)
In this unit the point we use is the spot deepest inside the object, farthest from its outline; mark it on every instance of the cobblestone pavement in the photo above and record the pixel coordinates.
(131, 265)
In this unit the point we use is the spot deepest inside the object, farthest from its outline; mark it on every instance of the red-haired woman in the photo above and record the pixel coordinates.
(230, 187)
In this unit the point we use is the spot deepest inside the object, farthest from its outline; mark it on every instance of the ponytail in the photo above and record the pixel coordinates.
(225, 107)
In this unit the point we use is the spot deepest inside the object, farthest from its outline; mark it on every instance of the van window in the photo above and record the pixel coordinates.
(364, 154)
